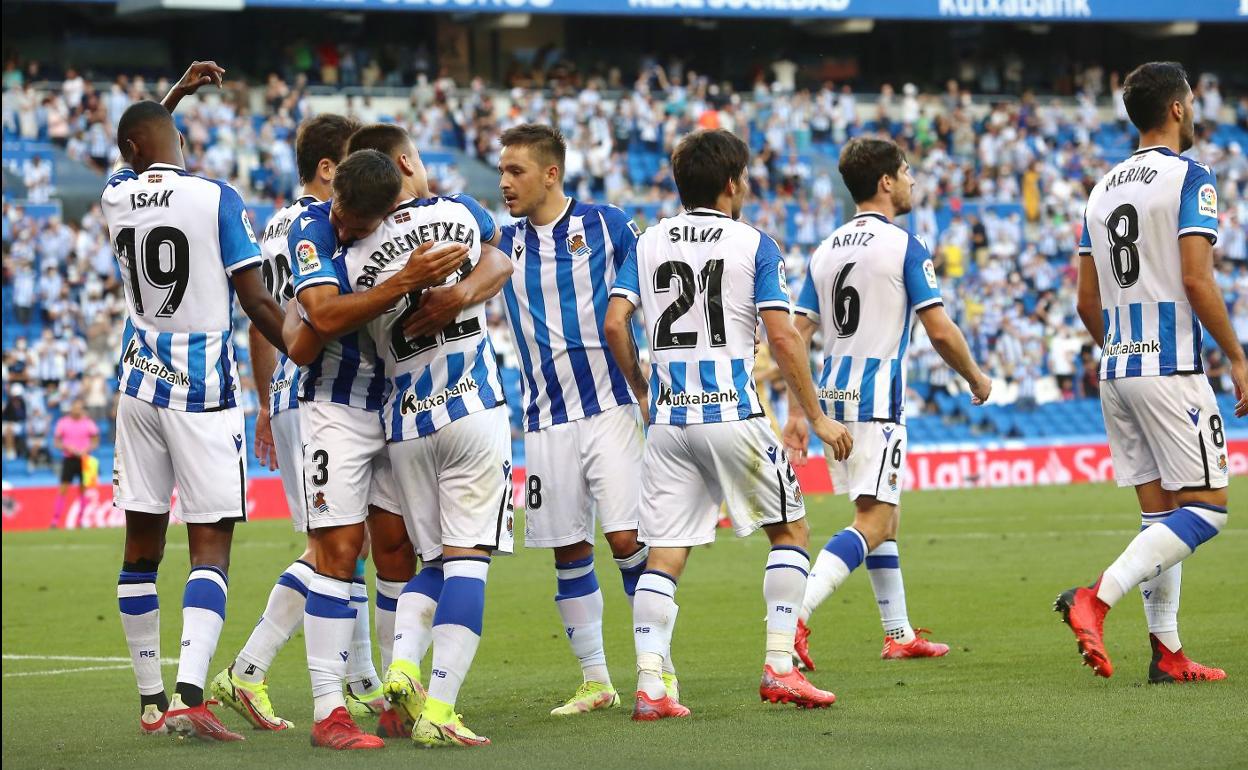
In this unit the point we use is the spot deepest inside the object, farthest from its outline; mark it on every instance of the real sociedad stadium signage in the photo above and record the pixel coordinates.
(1160, 11)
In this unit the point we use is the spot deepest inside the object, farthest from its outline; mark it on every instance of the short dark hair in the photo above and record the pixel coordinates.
(324, 136)
(367, 183)
(545, 141)
(382, 137)
(1149, 91)
(136, 116)
(703, 164)
(864, 161)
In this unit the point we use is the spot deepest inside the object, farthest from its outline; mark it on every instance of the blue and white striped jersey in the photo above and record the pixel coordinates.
(278, 279)
(348, 371)
(1131, 228)
(863, 287)
(438, 379)
(178, 238)
(556, 302)
(700, 279)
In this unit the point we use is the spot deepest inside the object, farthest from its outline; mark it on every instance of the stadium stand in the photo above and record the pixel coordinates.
(1001, 186)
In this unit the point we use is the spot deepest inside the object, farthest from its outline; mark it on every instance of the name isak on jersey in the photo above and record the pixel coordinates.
(134, 359)
(147, 200)
(409, 242)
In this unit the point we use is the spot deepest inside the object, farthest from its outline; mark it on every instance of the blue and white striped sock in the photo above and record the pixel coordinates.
(140, 618)
(579, 601)
(784, 585)
(388, 592)
(203, 615)
(361, 674)
(1161, 594)
(282, 617)
(413, 618)
(884, 569)
(328, 625)
(457, 625)
(654, 620)
(1156, 549)
(841, 556)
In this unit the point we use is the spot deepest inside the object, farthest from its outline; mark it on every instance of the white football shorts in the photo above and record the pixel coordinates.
(455, 484)
(877, 466)
(343, 449)
(201, 453)
(1166, 428)
(578, 470)
(689, 471)
(289, 446)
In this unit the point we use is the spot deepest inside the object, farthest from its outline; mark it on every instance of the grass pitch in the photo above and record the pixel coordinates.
(982, 568)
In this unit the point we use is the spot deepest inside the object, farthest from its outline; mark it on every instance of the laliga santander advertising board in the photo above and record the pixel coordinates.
(30, 508)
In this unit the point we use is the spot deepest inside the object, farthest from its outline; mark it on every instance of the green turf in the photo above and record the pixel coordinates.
(982, 568)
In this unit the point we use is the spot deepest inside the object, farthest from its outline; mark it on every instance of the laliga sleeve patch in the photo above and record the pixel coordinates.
(633, 226)
(305, 254)
(929, 272)
(783, 280)
(251, 235)
(1207, 201)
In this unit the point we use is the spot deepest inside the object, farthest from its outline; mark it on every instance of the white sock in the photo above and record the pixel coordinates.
(841, 556)
(884, 569)
(457, 625)
(784, 585)
(654, 619)
(388, 592)
(413, 617)
(282, 617)
(328, 625)
(361, 675)
(203, 615)
(1156, 549)
(631, 569)
(1161, 595)
(579, 601)
(140, 619)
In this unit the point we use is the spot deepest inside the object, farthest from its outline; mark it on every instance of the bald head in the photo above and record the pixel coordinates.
(146, 134)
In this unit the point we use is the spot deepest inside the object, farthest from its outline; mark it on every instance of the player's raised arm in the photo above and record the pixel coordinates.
(1205, 297)
(441, 305)
(199, 74)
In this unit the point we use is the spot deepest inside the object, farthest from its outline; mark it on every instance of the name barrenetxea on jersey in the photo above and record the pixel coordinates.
(1135, 174)
(137, 360)
(668, 398)
(409, 404)
(409, 242)
(695, 234)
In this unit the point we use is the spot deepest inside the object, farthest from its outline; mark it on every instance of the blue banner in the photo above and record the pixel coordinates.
(947, 10)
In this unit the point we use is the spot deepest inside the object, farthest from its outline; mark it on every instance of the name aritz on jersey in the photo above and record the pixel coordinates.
(410, 241)
(412, 405)
(667, 398)
(1132, 348)
(850, 239)
(136, 360)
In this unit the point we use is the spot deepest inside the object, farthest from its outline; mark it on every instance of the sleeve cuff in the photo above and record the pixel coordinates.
(775, 304)
(811, 314)
(927, 303)
(244, 264)
(1085, 251)
(633, 298)
(1208, 232)
(319, 280)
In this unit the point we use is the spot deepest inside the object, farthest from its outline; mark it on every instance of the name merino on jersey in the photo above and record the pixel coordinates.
(348, 371)
(454, 373)
(176, 260)
(868, 270)
(1132, 225)
(278, 279)
(700, 279)
(557, 301)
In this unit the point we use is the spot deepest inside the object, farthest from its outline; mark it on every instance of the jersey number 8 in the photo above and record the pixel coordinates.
(1123, 225)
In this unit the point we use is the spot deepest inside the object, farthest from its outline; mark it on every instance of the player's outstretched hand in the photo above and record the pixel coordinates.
(835, 437)
(199, 74)
(1239, 376)
(980, 390)
(265, 451)
(431, 264)
(796, 438)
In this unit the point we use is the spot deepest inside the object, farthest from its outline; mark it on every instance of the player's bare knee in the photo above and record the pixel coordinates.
(670, 561)
(791, 533)
(576, 551)
(1216, 497)
(623, 543)
(396, 562)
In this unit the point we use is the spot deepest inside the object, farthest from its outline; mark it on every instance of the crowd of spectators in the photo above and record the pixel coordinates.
(1001, 188)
